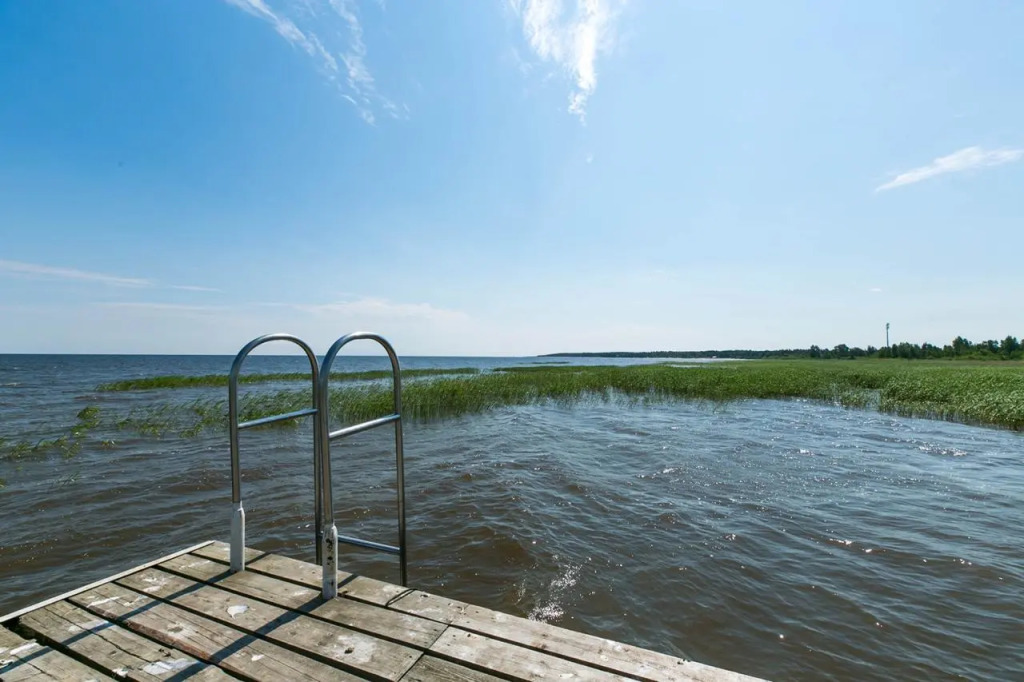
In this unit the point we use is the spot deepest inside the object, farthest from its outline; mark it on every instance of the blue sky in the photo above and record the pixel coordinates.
(509, 178)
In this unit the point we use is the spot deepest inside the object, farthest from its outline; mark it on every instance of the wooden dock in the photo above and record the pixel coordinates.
(186, 616)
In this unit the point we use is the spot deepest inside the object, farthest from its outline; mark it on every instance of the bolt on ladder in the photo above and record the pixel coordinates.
(330, 537)
(235, 427)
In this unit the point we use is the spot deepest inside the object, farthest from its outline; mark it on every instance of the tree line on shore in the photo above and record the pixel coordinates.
(960, 348)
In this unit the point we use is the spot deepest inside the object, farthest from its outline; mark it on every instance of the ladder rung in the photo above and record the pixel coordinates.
(278, 418)
(369, 545)
(365, 426)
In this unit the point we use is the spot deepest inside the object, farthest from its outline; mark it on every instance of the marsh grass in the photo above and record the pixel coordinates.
(67, 444)
(962, 392)
(972, 393)
(214, 380)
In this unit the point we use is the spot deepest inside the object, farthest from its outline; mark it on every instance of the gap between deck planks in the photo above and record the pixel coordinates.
(269, 623)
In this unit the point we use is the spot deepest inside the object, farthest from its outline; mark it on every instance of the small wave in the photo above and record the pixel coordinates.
(939, 450)
(577, 489)
(548, 613)
(552, 609)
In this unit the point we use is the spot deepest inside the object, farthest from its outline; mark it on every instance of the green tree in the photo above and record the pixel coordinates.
(1009, 346)
(961, 346)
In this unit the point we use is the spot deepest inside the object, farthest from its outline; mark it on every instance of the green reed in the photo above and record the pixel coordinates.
(215, 380)
(67, 444)
(973, 393)
(961, 392)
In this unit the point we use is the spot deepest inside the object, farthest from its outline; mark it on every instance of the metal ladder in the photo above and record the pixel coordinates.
(330, 537)
(327, 539)
(234, 428)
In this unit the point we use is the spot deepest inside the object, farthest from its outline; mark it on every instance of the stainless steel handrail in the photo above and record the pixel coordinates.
(330, 536)
(234, 427)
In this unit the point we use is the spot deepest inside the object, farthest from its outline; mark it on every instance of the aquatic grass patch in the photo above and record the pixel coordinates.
(67, 444)
(981, 396)
(973, 394)
(215, 380)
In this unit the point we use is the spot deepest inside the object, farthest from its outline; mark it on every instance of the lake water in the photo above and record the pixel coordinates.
(789, 540)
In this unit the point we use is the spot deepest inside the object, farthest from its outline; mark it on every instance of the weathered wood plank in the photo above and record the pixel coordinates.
(23, 660)
(221, 551)
(257, 585)
(603, 653)
(118, 651)
(433, 669)
(355, 650)
(197, 568)
(349, 585)
(514, 661)
(208, 640)
(294, 570)
(375, 620)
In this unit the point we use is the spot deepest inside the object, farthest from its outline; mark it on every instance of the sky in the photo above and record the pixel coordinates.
(509, 177)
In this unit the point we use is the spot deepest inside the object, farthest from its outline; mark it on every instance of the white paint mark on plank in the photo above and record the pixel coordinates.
(91, 626)
(154, 583)
(164, 667)
(100, 602)
(237, 609)
(23, 648)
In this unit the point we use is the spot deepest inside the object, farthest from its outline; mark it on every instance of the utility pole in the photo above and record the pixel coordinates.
(886, 334)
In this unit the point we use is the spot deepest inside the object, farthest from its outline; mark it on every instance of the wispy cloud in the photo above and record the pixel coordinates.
(338, 57)
(285, 27)
(159, 307)
(37, 271)
(49, 272)
(381, 308)
(969, 158)
(192, 287)
(571, 40)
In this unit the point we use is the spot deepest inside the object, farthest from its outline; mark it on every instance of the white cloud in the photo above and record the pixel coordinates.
(345, 52)
(285, 27)
(379, 308)
(360, 80)
(969, 158)
(570, 40)
(149, 306)
(191, 287)
(20, 269)
(49, 272)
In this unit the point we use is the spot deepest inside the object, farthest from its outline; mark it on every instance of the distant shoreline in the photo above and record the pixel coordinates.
(687, 354)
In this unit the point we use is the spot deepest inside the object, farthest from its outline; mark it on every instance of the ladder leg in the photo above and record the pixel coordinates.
(237, 538)
(330, 565)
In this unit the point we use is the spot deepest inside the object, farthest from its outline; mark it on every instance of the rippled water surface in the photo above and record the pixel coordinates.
(789, 540)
